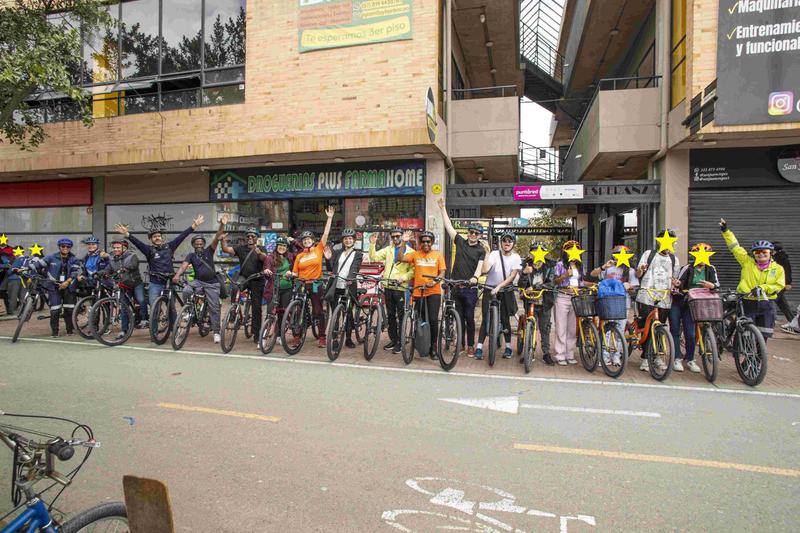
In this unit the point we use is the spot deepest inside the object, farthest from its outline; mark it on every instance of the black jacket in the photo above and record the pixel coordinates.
(710, 275)
(548, 276)
(333, 267)
(782, 258)
(128, 266)
(159, 258)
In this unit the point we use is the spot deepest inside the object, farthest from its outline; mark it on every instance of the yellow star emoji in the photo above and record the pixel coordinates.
(36, 249)
(539, 254)
(702, 256)
(19, 251)
(3, 239)
(665, 242)
(623, 258)
(574, 253)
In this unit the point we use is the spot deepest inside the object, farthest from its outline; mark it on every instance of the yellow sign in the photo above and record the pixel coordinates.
(436, 189)
(389, 29)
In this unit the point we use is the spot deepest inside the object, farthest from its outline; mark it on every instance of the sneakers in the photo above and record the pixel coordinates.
(322, 341)
(693, 367)
(217, 338)
(787, 328)
(507, 353)
(572, 361)
(349, 343)
(661, 365)
(562, 362)
(616, 360)
(479, 354)
(645, 366)
(143, 324)
(54, 333)
(70, 333)
(470, 351)
(677, 366)
(389, 346)
(548, 360)
(396, 349)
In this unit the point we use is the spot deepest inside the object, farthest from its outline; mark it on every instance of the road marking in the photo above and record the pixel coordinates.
(590, 410)
(289, 360)
(660, 459)
(209, 410)
(511, 405)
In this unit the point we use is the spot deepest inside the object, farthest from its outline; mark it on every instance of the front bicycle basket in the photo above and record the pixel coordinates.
(584, 305)
(705, 305)
(612, 307)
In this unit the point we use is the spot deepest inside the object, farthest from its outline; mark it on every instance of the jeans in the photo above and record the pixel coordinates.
(466, 299)
(153, 292)
(395, 310)
(138, 294)
(211, 292)
(505, 319)
(679, 314)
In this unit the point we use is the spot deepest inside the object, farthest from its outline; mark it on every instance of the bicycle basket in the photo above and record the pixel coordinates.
(584, 305)
(705, 305)
(612, 308)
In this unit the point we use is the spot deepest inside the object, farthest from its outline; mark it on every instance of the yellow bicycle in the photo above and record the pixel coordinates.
(528, 325)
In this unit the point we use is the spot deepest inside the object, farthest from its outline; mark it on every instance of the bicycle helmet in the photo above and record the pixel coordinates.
(475, 227)
(508, 235)
(153, 231)
(669, 231)
(252, 230)
(122, 242)
(537, 245)
(428, 234)
(282, 240)
(569, 244)
(198, 237)
(91, 239)
(620, 247)
(348, 232)
(696, 247)
(306, 234)
(396, 230)
(67, 242)
(757, 245)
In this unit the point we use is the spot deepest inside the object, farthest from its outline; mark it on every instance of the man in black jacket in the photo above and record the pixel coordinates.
(125, 264)
(782, 258)
(344, 263)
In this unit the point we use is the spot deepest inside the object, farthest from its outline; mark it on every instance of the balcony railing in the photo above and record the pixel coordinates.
(540, 28)
(536, 163)
(485, 92)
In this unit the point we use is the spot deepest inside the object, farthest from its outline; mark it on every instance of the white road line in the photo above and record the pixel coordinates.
(433, 372)
(591, 410)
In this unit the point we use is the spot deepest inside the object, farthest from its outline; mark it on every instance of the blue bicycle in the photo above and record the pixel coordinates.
(35, 454)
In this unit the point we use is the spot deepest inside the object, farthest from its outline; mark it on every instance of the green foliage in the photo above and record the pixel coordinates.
(544, 218)
(37, 53)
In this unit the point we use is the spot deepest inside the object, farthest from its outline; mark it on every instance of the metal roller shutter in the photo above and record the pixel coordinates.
(772, 214)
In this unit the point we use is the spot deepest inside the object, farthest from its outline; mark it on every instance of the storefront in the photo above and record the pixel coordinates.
(756, 190)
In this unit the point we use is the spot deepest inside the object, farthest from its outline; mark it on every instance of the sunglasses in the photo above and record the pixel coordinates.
(396, 236)
(474, 232)
(426, 241)
(760, 251)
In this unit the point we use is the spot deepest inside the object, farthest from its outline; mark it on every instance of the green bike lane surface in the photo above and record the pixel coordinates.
(357, 450)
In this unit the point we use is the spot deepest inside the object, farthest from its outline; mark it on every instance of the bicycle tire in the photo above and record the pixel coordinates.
(752, 370)
(666, 347)
(24, 316)
(710, 356)
(360, 316)
(79, 522)
(229, 329)
(589, 344)
(449, 338)
(203, 320)
(407, 337)
(293, 323)
(529, 345)
(494, 332)
(182, 326)
(337, 327)
(326, 314)
(248, 319)
(268, 335)
(614, 343)
(159, 320)
(100, 324)
(372, 335)
(81, 309)
(521, 327)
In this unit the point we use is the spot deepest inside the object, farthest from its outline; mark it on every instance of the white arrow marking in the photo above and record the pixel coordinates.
(591, 410)
(503, 404)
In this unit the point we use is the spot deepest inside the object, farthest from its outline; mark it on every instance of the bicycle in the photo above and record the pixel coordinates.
(408, 330)
(238, 314)
(376, 322)
(298, 317)
(112, 319)
(449, 344)
(654, 338)
(162, 306)
(707, 313)
(80, 315)
(268, 333)
(350, 312)
(493, 329)
(193, 312)
(739, 335)
(32, 283)
(528, 326)
(33, 462)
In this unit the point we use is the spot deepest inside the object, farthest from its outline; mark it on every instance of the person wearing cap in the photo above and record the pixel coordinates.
(467, 265)
(159, 256)
(537, 274)
(399, 272)
(61, 270)
(501, 269)
(761, 279)
(205, 281)
(125, 264)
(276, 265)
(344, 264)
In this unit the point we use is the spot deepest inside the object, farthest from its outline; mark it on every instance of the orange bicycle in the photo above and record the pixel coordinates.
(653, 338)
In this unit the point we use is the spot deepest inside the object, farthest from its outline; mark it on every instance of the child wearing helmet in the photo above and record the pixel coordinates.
(761, 279)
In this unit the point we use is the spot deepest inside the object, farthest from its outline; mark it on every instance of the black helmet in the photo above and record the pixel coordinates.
(428, 234)
(122, 242)
(669, 231)
(198, 237)
(282, 240)
(348, 232)
(509, 235)
(306, 233)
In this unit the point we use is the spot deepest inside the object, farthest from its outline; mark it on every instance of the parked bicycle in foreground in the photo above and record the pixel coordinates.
(112, 319)
(299, 317)
(528, 326)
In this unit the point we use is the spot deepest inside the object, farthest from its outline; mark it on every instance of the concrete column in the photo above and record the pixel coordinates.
(99, 208)
(435, 179)
(674, 209)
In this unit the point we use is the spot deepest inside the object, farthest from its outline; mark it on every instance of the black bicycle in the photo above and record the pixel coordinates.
(112, 319)
(354, 312)
(194, 312)
(80, 315)
(268, 334)
(739, 335)
(32, 282)
(493, 329)
(298, 317)
(160, 309)
(448, 339)
(239, 313)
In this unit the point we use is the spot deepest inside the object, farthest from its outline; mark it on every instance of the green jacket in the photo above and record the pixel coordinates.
(403, 272)
(772, 280)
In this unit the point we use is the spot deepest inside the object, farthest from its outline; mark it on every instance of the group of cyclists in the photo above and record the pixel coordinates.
(658, 284)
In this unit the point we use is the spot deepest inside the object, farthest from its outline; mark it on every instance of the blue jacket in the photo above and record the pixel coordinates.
(159, 259)
(93, 263)
(53, 265)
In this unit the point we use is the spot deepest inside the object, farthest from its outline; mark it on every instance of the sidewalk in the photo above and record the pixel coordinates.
(783, 374)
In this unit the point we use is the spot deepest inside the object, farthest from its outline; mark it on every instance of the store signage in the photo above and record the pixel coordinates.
(592, 193)
(339, 23)
(744, 167)
(547, 192)
(374, 178)
(758, 42)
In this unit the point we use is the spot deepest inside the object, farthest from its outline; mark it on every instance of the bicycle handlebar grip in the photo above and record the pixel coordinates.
(62, 450)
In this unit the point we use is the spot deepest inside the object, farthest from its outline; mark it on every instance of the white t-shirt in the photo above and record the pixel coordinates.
(658, 276)
(495, 276)
(574, 277)
(344, 267)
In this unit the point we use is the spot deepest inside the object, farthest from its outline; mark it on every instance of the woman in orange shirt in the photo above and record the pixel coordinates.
(427, 262)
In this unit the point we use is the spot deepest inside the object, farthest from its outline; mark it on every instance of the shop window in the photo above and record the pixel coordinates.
(385, 212)
(45, 219)
(224, 33)
(678, 57)
(139, 38)
(309, 214)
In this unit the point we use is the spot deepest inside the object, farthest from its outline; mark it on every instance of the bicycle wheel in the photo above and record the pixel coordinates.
(230, 328)
(80, 316)
(751, 355)
(38, 302)
(24, 316)
(449, 339)
(326, 313)
(336, 332)
(248, 319)
(360, 315)
(521, 326)
(203, 320)
(159, 320)
(372, 333)
(710, 354)
(660, 360)
(105, 320)
(529, 345)
(407, 337)
(268, 334)
(106, 517)
(588, 344)
(494, 332)
(293, 329)
(614, 344)
(183, 324)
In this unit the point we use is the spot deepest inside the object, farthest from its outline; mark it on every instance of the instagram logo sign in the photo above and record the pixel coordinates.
(781, 103)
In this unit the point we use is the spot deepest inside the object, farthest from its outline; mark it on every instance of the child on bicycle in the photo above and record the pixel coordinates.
(761, 279)
(537, 274)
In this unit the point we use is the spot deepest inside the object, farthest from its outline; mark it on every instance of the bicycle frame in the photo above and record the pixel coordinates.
(34, 518)
(651, 322)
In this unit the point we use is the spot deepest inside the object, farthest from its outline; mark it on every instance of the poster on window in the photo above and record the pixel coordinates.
(339, 23)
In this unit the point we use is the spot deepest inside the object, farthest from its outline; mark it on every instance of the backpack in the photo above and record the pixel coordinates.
(610, 287)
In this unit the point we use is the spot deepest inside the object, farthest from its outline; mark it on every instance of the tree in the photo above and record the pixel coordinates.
(544, 219)
(39, 51)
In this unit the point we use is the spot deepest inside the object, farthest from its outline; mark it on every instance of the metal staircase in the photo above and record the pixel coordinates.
(540, 26)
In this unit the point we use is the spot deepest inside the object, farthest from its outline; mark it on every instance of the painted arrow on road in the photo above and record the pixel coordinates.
(511, 405)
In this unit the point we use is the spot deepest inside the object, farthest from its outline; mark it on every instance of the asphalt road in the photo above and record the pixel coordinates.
(354, 448)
